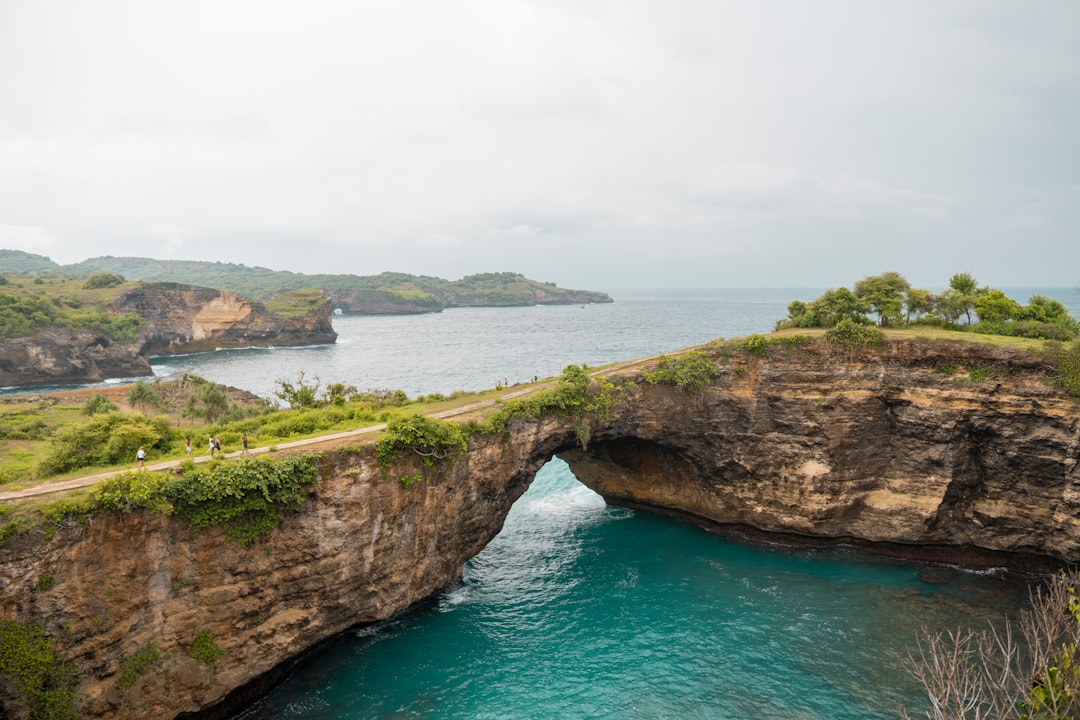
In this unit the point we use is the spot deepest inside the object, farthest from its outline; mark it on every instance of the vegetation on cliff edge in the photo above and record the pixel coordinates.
(44, 682)
(890, 301)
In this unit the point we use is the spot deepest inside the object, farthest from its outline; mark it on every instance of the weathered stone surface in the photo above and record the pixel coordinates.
(186, 318)
(179, 319)
(878, 449)
(57, 357)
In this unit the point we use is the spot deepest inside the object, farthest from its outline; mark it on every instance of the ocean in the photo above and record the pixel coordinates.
(580, 610)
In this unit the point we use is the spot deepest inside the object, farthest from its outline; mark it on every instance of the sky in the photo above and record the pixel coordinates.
(598, 145)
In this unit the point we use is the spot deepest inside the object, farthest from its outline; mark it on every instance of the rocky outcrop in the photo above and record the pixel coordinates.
(57, 357)
(900, 450)
(178, 319)
(889, 450)
(187, 318)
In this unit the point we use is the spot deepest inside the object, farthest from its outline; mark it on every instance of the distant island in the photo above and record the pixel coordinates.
(386, 293)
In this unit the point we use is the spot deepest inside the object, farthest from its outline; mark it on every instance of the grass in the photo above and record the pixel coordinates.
(18, 457)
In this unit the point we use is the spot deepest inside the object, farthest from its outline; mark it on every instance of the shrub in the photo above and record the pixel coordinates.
(854, 336)
(205, 649)
(576, 396)
(248, 497)
(1067, 374)
(428, 438)
(98, 404)
(134, 667)
(105, 440)
(691, 372)
(756, 345)
(44, 682)
(102, 280)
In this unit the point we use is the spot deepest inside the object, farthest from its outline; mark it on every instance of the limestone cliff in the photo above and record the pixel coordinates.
(887, 449)
(177, 319)
(188, 318)
(59, 356)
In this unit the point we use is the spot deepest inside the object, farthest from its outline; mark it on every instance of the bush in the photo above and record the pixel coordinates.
(98, 404)
(854, 336)
(102, 280)
(691, 372)
(428, 438)
(1067, 374)
(205, 649)
(576, 396)
(44, 682)
(1025, 328)
(134, 667)
(248, 497)
(1032, 674)
(105, 440)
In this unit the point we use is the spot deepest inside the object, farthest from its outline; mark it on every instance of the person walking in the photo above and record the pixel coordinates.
(187, 447)
(244, 443)
(212, 446)
(141, 457)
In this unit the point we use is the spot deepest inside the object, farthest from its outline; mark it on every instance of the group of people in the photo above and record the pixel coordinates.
(215, 447)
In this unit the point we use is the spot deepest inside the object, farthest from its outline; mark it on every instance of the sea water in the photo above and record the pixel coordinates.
(580, 610)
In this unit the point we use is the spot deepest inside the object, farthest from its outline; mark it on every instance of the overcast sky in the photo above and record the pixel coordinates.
(594, 144)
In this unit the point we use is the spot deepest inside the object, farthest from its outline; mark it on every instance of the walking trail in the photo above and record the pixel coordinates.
(87, 480)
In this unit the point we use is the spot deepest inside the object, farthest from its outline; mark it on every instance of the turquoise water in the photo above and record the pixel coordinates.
(579, 610)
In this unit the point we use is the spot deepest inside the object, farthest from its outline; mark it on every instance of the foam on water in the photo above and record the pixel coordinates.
(585, 611)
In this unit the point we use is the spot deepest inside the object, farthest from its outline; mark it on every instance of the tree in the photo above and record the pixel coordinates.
(885, 296)
(1046, 310)
(143, 393)
(992, 675)
(996, 306)
(961, 295)
(835, 305)
(215, 402)
(299, 395)
(918, 303)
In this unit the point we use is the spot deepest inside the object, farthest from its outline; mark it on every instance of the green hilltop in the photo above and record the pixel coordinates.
(384, 293)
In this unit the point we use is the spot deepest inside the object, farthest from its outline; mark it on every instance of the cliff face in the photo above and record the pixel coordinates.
(179, 319)
(57, 357)
(889, 448)
(881, 449)
(183, 319)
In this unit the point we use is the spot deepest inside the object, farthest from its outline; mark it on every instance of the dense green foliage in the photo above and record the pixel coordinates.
(692, 371)
(386, 289)
(1067, 374)
(134, 667)
(429, 439)
(23, 315)
(103, 280)
(962, 306)
(205, 649)
(247, 497)
(99, 404)
(45, 683)
(106, 439)
(577, 396)
(854, 336)
(296, 303)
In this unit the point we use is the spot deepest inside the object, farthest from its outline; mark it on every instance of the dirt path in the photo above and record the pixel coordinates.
(309, 442)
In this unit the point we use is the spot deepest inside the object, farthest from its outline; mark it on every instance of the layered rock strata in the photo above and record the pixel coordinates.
(178, 319)
(887, 449)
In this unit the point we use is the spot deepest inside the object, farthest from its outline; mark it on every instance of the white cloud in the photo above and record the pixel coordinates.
(437, 240)
(26, 238)
(339, 136)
